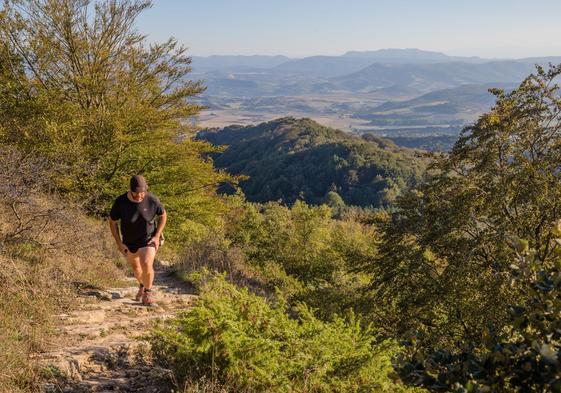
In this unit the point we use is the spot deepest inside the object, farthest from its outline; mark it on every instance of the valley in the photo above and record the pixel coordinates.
(416, 98)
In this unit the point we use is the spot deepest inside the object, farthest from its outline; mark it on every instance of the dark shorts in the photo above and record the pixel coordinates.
(134, 247)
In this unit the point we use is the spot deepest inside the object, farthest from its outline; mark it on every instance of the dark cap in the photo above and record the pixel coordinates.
(138, 184)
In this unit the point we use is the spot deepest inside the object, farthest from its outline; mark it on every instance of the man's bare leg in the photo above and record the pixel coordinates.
(134, 262)
(146, 256)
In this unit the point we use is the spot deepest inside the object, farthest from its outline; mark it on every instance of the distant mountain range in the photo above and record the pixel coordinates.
(417, 98)
(409, 56)
(430, 77)
(366, 72)
(232, 62)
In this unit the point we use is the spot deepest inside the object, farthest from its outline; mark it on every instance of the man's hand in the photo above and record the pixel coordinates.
(123, 248)
(156, 241)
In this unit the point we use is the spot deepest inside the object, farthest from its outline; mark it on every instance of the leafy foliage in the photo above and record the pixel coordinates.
(448, 255)
(523, 356)
(444, 255)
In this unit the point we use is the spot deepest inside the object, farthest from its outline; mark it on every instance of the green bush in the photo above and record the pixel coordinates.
(311, 247)
(443, 257)
(302, 251)
(239, 339)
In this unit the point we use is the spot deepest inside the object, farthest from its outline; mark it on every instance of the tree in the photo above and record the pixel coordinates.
(523, 356)
(16, 105)
(107, 104)
(445, 260)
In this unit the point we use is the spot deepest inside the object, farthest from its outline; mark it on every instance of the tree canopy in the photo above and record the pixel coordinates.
(88, 92)
(449, 263)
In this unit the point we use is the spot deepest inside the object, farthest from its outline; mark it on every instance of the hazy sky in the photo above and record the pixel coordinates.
(297, 28)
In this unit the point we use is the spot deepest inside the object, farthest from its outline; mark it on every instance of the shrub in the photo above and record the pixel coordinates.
(239, 339)
(301, 251)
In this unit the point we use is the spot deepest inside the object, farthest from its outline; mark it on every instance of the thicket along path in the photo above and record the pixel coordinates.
(99, 347)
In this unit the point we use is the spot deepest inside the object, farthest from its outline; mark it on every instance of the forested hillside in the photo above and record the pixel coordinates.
(289, 159)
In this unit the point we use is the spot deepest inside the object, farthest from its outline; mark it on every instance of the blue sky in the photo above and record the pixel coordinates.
(298, 28)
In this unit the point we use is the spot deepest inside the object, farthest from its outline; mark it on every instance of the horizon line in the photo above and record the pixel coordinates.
(296, 57)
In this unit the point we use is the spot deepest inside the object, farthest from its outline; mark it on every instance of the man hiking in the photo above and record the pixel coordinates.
(137, 210)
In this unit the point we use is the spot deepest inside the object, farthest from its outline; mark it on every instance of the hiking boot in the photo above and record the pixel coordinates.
(148, 297)
(140, 292)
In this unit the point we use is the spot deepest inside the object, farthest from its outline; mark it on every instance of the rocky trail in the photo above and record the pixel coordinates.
(100, 348)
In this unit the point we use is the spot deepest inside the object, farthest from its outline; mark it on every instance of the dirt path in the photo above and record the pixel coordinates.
(100, 347)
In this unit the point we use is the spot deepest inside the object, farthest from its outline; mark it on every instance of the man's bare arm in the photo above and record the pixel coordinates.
(114, 226)
(161, 224)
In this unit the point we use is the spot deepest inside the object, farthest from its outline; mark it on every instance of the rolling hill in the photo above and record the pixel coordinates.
(461, 98)
(289, 159)
(430, 77)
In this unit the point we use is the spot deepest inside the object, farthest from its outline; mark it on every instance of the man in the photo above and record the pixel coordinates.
(137, 210)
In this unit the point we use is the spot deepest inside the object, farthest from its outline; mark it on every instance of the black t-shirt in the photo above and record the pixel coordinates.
(137, 218)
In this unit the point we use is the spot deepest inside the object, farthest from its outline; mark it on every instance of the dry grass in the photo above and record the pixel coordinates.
(204, 385)
(214, 254)
(48, 250)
